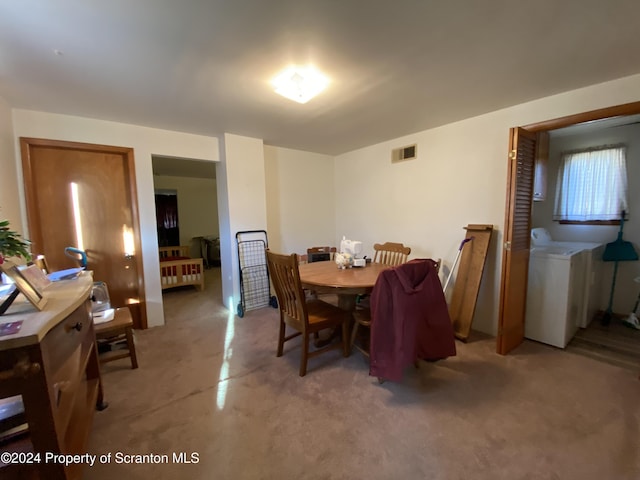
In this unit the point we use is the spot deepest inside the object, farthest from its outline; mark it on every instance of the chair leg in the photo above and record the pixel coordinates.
(305, 354)
(132, 348)
(281, 339)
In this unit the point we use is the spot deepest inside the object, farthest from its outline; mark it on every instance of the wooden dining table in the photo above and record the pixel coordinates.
(348, 283)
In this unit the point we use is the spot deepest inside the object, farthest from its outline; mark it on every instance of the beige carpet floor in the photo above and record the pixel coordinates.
(210, 384)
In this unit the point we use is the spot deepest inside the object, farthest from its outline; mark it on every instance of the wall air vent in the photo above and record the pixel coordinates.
(409, 152)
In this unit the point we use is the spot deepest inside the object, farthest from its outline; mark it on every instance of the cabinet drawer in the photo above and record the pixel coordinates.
(65, 337)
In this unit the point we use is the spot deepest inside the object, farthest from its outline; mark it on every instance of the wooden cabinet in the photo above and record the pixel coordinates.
(541, 162)
(52, 364)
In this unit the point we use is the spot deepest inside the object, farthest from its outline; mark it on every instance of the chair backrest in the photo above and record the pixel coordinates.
(320, 254)
(390, 253)
(284, 273)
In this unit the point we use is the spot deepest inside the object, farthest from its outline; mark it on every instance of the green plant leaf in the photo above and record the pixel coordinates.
(11, 243)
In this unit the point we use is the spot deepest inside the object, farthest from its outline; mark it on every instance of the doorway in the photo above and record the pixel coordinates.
(191, 186)
(515, 252)
(84, 196)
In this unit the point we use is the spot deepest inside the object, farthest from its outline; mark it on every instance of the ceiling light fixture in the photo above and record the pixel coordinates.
(300, 84)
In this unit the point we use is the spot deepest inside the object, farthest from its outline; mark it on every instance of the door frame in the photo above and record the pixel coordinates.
(33, 216)
(632, 108)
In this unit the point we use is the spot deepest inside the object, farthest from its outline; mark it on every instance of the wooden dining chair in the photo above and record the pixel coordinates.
(306, 316)
(320, 254)
(303, 259)
(362, 318)
(390, 253)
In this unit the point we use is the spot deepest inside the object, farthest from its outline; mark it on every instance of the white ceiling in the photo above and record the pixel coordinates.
(397, 67)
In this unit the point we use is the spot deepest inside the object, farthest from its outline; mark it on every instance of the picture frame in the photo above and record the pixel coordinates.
(24, 286)
(35, 276)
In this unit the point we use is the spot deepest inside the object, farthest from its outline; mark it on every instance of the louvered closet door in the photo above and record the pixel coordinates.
(517, 226)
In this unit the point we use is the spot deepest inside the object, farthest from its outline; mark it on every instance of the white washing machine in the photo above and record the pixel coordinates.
(557, 277)
(540, 237)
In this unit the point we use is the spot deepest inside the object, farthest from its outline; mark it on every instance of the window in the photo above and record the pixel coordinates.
(592, 185)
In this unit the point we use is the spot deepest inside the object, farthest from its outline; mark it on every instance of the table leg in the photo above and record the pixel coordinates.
(347, 303)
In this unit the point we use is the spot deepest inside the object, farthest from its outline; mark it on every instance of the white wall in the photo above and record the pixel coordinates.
(242, 203)
(300, 199)
(458, 178)
(197, 207)
(626, 289)
(145, 142)
(9, 189)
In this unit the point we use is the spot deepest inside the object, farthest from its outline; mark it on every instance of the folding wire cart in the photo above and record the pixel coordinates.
(255, 289)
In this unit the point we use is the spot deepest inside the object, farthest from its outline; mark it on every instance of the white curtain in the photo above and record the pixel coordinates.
(592, 185)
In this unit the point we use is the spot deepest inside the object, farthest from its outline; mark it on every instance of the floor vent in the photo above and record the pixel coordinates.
(409, 152)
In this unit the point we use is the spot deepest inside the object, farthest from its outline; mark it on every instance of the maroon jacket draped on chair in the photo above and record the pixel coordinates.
(409, 319)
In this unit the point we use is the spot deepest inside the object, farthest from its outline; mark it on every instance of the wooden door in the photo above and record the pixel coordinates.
(515, 253)
(84, 196)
